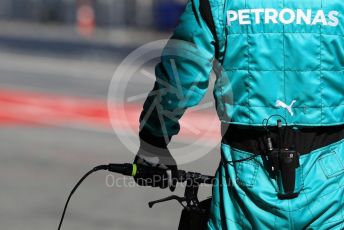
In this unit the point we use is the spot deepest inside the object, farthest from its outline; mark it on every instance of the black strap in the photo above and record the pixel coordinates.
(207, 15)
(303, 140)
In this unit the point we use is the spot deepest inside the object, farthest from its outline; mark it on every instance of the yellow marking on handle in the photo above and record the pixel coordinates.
(133, 173)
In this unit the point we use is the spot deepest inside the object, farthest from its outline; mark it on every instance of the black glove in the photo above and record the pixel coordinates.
(159, 157)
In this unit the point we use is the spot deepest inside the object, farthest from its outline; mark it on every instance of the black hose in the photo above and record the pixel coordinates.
(95, 169)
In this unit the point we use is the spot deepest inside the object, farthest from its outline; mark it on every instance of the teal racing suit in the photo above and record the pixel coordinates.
(283, 57)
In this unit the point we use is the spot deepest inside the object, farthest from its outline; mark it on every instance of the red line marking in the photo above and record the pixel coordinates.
(32, 108)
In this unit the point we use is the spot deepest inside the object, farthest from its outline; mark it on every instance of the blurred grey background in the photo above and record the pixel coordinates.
(57, 58)
(160, 14)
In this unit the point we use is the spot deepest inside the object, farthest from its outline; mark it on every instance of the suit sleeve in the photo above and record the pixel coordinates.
(182, 77)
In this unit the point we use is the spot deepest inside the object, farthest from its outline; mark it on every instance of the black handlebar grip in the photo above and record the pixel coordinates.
(142, 171)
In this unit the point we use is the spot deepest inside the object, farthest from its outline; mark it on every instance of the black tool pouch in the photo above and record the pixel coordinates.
(288, 173)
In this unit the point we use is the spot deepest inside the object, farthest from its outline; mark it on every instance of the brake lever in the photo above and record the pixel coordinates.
(173, 197)
(189, 201)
